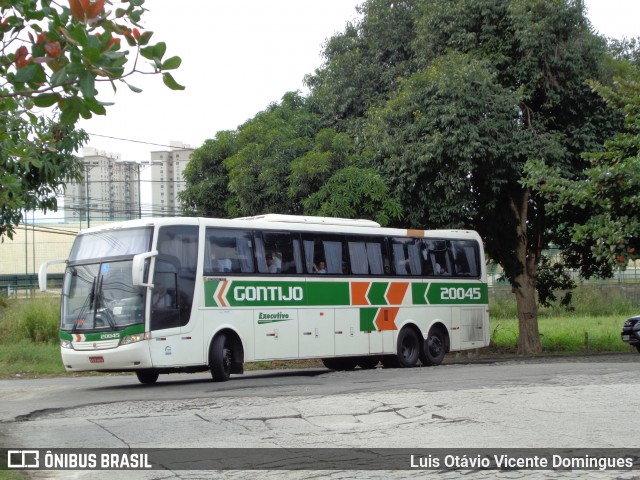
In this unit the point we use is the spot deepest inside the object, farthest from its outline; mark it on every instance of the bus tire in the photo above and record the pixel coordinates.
(340, 363)
(148, 377)
(408, 348)
(368, 362)
(390, 361)
(220, 358)
(433, 349)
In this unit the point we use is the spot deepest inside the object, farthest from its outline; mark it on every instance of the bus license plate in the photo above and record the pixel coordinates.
(96, 359)
(625, 337)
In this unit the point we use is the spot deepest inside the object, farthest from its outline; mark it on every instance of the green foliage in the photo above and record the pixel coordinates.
(33, 320)
(565, 335)
(436, 141)
(447, 105)
(37, 159)
(552, 276)
(206, 177)
(284, 161)
(600, 209)
(266, 146)
(353, 193)
(52, 56)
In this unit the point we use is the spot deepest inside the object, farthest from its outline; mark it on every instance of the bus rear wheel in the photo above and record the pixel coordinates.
(148, 377)
(433, 350)
(220, 359)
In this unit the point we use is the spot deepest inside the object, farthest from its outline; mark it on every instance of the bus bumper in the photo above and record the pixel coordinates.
(123, 358)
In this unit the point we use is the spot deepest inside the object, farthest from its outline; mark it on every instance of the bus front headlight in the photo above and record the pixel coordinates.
(136, 337)
(66, 344)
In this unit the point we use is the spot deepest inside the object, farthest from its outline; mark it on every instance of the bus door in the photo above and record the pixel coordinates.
(174, 341)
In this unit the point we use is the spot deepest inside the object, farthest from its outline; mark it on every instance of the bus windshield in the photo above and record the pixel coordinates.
(99, 296)
(97, 292)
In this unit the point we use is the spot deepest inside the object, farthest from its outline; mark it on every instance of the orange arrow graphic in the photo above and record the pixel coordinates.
(359, 293)
(386, 319)
(395, 293)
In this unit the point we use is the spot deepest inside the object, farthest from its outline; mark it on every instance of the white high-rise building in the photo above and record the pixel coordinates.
(167, 180)
(109, 190)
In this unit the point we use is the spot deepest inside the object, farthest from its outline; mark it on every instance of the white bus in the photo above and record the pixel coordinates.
(167, 295)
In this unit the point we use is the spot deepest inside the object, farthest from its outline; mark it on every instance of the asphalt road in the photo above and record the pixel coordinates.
(577, 402)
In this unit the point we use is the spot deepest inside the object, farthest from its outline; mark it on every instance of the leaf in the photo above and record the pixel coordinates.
(159, 50)
(171, 63)
(147, 52)
(45, 100)
(28, 73)
(133, 89)
(96, 107)
(170, 82)
(144, 38)
(87, 84)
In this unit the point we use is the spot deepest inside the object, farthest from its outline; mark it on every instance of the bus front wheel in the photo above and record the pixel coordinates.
(433, 350)
(220, 359)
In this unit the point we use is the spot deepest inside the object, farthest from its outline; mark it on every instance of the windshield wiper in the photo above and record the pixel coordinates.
(88, 303)
(99, 300)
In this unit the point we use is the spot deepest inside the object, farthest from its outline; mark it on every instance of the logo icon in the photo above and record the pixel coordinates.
(23, 459)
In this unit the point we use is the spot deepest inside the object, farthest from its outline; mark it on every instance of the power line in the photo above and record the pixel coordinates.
(139, 141)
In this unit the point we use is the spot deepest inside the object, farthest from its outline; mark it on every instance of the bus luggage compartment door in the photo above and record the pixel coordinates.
(275, 333)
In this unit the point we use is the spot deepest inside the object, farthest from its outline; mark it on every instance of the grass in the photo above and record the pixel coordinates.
(29, 331)
(565, 335)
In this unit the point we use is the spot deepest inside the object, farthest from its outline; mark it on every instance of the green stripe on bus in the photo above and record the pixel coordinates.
(239, 293)
(245, 293)
(376, 293)
(101, 336)
(450, 293)
(367, 319)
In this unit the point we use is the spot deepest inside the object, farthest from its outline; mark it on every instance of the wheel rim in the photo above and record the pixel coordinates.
(409, 347)
(435, 346)
(226, 360)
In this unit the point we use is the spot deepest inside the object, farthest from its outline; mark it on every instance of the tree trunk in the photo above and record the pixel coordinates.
(525, 284)
(528, 334)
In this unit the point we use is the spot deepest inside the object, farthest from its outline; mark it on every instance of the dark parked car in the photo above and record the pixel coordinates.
(631, 332)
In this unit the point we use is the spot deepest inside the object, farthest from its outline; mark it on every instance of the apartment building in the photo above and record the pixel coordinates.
(166, 178)
(109, 190)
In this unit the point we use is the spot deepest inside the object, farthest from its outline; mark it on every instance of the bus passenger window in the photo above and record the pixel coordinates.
(406, 256)
(465, 258)
(278, 252)
(367, 256)
(228, 251)
(329, 250)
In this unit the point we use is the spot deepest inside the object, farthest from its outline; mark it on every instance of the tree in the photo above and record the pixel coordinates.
(51, 59)
(488, 86)
(267, 144)
(206, 178)
(600, 210)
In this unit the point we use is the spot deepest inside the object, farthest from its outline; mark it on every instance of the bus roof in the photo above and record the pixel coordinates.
(288, 222)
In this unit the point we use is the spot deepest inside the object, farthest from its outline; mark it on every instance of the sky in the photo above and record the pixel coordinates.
(238, 56)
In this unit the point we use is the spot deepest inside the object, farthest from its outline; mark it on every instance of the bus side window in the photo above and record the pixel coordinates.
(465, 258)
(325, 254)
(228, 251)
(368, 256)
(407, 258)
(278, 252)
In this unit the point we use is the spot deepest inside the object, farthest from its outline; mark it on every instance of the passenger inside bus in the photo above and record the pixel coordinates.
(274, 262)
(320, 268)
